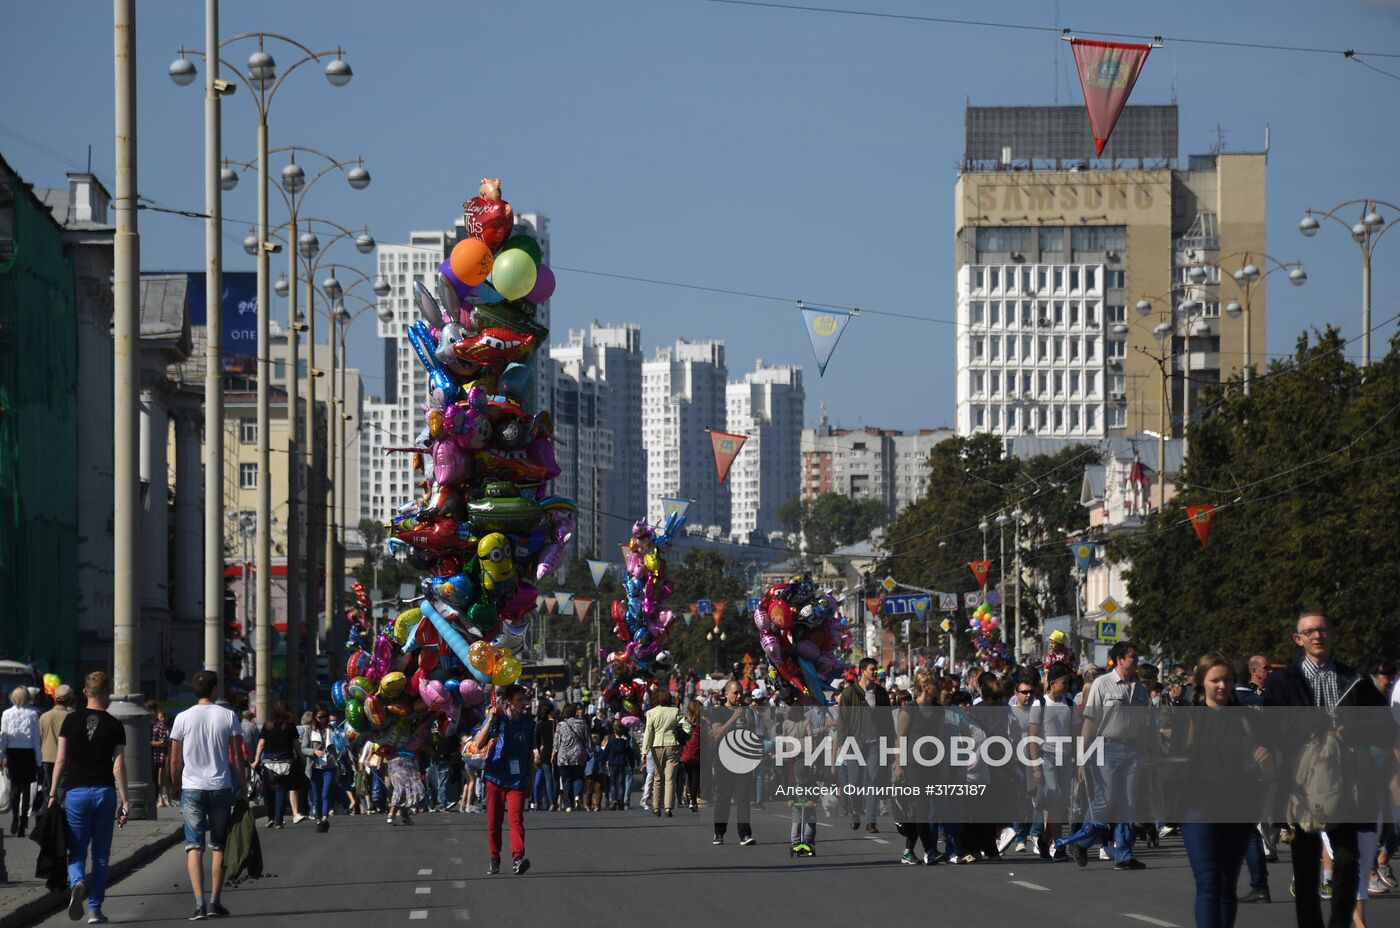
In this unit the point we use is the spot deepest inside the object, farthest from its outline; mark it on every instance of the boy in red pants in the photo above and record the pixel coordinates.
(508, 737)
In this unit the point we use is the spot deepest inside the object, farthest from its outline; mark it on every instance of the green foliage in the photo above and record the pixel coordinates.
(390, 571)
(1304, 472)
(971, 480)
(709, 575)
(832, 520)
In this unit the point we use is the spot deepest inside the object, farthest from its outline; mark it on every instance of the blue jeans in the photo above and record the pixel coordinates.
(620, 784)
(92, 813)
(274, 795)
(572, 775)
(322, 785)
(206, 811)
(376, 788)
(871, 775)
(1115, 794)
(545, 789)
(1216, 853)
(1254, 859)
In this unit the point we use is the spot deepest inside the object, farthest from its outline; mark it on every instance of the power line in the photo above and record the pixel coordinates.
(1066, 31)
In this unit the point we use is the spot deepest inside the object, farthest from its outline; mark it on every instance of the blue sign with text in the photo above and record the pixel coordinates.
(240, 308)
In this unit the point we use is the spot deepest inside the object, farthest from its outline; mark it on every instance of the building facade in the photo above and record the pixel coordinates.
(868, 463)
(767, 406)
(683, 396)
(1055, 250)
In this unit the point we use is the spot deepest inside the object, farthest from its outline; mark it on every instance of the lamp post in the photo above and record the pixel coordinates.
(1367, 234)
(1186, 317)
(1017, 515)
(293, 188)
(1246, 276)
(1002, 520)
(263, 81)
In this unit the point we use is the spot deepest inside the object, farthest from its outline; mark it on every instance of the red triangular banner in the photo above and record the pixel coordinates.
(980, 569)
(873, 604)
(719, 609)
(1200, 517)
(726, 446)
(581, 607)
(1107, 72)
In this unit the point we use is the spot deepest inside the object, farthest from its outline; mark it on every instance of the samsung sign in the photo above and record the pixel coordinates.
(240, 308)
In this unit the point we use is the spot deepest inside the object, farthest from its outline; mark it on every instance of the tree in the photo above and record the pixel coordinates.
(1303, 472)
(710, 575)
(832, 520)
(389, 573)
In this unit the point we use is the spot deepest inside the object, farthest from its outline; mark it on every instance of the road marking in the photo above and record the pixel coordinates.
(1150, 920)
(422, 890)
(879, 840)
(417, 914)
(454, 860)
(425, 872)
(461, 915)
(459, 884)
(452, 841)
(1036, 886)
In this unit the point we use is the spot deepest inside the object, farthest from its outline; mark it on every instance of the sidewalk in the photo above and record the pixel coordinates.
(24, 899)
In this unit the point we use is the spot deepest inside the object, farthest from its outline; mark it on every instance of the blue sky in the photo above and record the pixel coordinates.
(801, 155)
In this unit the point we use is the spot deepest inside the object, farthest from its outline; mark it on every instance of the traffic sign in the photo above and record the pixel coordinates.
(906, 603)
(947, 602)
(946, 625)
(1108, 630)
(705, 606)
(753, 604)
(972, 600)
(889, 584)
(1109, 606)
(993, 598)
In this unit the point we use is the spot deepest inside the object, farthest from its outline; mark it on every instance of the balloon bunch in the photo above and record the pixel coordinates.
(800, 629)
(486, 528)
(358, 612)
(52, 682)
(983, 625)
(643, 623)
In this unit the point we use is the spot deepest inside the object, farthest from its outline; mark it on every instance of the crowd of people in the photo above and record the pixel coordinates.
(546, 752)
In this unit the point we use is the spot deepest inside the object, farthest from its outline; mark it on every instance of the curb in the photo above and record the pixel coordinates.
(50, 902)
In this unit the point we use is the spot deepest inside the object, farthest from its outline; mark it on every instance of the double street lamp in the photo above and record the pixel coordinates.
(262, 80)
(1366, 232)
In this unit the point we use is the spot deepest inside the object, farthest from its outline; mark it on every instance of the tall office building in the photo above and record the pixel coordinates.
(683, 394)
(868, 463)
(1055, 248)
(767, 406)
(395, 418)
(583, 449)
(611, 357)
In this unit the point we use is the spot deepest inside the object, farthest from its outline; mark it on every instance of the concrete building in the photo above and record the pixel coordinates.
(610, 357)
(1054, 249)
(683, 395)
(867, 463)
(767, 406)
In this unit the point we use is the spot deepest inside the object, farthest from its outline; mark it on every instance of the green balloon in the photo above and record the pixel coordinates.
(513, 274)
(526, 244)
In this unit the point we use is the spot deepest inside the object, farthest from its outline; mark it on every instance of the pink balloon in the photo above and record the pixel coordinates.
(472, 693)
(544, 285)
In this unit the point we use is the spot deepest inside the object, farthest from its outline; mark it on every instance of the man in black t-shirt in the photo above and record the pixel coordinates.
(92, 767)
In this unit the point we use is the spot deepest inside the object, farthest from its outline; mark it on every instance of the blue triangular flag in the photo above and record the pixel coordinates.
(824, 328)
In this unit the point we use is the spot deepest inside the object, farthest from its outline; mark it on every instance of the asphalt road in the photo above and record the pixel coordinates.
(614, 868)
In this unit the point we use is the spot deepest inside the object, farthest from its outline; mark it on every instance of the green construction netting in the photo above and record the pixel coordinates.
(38, 438)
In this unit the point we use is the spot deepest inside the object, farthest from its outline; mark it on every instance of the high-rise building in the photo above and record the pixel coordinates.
(767, 406)
(611, 356)
(683, 395)
(868, 463)
(583, 448)
(1055, 248)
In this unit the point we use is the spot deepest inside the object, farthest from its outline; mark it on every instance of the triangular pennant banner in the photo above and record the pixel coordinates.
(719, 609)
(980, 569)
(1107, 72)
(726, 446)
(1083, 554)
(581, 607)
(824, 328)
(1200, 517)
(598, 569)
(670, 504)
(872, 603)
(550, 604)
(566, 604)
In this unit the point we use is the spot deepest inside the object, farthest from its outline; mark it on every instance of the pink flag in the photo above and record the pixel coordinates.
(1107, 72)
(726, 446)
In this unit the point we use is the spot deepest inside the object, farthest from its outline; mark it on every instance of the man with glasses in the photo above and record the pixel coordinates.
(1022, 699)
(1317, 679)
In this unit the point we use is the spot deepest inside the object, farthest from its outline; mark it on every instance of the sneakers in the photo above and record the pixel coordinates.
(521, 865)
(746, 840)
(855, 824)
(201, 912)
(1132, 863)
(269, 824)
(871, 829)
(493, 867)
(298, 819)
(1377, 886)
(1081, 854)
(910, 858)
(931, 858)
(1387, 876)
(217, 910)
(719, 839)
(1326, 891)
(1166, 832)
(323, 826)
(95, 917)
(1104, 855)
(1020, 847)
(77, 901)
(1004, 839)
(1256, 895)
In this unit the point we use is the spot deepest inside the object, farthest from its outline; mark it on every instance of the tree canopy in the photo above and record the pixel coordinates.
(832, 520)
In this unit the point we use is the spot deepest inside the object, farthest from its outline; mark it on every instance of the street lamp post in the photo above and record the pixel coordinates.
(1367, 234)
(1017, 515)
(1246, 277)
(262, 81)
(1002, 520)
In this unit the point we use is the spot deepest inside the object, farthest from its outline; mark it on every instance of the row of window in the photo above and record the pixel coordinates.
(1045, 348)
(1041, 384)
(1044, 278)
(1058, 417)
(1042, 313)
(1052, 238)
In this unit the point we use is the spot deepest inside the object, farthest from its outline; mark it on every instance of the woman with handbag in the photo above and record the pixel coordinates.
(277, 750)
(571, 745)
(318, 748)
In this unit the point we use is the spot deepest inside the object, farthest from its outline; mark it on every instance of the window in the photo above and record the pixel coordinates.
(1026, 384)
(1013, 238)
(1074, 417)
(977, 312)
(1115, 280)
(1059, 383)
(1010, 417)
(1059, 349)
(996, 417)
(1073, 348)
(1074, 383)
(996, 348)
(1027, 347)
(1099, 238)
(1044, 348)
(979, 417)
(1074, 279)
(1089, 418)
(978, 347)
(1040, 279)
(1091, 315)
(1059, 418)
(247, 476)
(1042, 380)
(1090, 277)
(248, 431)
(1116, 382)
(996, 384)
(1091, 383)
(1116, 314)
(978, 386)
(994, 313)
(1074, 315)
(994, 278)
(1117, 348)
(1059, 313)
(1212, 310)
(979, 279)
(1025, 279)
(301, 368)
(1059, 279)
(1026, 315)
(1042, 418)
(1052, 240)
(1117, 417)
(1011, 348)
(279, 369)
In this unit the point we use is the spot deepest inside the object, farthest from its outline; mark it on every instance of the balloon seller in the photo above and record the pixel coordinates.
(507, 739)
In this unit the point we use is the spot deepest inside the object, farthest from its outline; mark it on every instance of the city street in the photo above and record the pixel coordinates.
(618, 868)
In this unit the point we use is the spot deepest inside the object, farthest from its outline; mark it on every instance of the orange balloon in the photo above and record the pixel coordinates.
(471, 261)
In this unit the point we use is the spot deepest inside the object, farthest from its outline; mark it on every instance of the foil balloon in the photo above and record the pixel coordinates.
(487, 217)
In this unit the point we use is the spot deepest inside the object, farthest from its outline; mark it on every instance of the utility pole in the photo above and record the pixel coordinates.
(213, 356)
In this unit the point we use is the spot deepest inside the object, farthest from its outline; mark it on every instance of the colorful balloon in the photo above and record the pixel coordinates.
(526, 244)
(471, 261)
(514, 274)
(544, 285)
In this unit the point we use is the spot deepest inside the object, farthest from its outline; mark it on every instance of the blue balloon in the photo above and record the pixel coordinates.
(338, 694)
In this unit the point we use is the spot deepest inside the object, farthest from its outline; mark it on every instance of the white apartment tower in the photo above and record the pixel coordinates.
(611, 356)
(683, 395)
(583, 447)
(767, 406)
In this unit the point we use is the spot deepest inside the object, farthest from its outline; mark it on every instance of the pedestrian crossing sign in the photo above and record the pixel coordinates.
(1108, 630)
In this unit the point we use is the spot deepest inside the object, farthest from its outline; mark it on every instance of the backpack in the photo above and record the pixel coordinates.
(1322, 789)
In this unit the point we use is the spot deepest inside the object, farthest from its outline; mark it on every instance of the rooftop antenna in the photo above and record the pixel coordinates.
(89, 167)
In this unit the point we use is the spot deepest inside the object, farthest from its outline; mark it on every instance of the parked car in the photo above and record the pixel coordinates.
(16, 673)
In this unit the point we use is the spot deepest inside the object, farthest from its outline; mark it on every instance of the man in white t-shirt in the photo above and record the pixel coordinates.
(206, 753)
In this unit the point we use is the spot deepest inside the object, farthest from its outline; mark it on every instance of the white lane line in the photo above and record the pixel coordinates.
(1150, 920)
(879, 840)
(1036, 886)
(425, 872)
(459, 884)
(454, 860)
(417, 914)
(422, 890)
